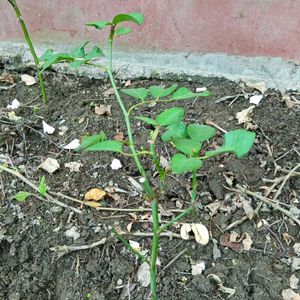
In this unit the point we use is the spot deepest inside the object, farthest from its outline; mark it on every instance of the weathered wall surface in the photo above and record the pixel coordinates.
(234, 27)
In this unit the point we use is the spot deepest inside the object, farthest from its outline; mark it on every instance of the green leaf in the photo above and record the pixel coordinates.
(79, 52)
(77, 63)
(170, 116)
(122, 31)
(238, 142)
(174, 131)
(187, 146)
(91, 140)
(137, 18)
(147, 120)
(48, 54)
(99, 24)
(21, 196)
(139, 93)
(55, 58)
(110, 145)
(181, 164)
(158, 91)
(185, 93)
(42, 186)
(200, 133)
(95, 52)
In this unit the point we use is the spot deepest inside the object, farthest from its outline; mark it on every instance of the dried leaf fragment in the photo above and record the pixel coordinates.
(222, 288)
(94, 194)
(260, 86)
(103, 109)
(7, 78)
(108, 92)
(143, 274)
(47, 128)
(115, 164)
(29, 80)
(201, 233)
(135, 245)
(119, 136)
(294, 282)
(289, 294)
(14, 105)
(184, 231)
(198, 268)
(297, 248)
(247, 208)
(50, 165)
(74, 166)
(256, 99)
(72, 145)
(245, 115)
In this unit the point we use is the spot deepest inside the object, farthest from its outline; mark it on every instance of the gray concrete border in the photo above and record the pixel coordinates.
(275, 72)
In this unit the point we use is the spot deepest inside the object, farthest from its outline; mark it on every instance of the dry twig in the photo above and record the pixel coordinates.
(275, 206)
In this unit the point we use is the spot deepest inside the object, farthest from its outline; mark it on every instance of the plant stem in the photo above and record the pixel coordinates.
(129, 247)
(187, 211)
(146, 185)
(30, 45)
(154, 252)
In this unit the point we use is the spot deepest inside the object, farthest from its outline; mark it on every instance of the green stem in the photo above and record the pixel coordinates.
(176, 219)
(148, 102)
(187, 211)
(104, 68)
(154, 252)
(146, 185)
(129, 247)
(30, 45)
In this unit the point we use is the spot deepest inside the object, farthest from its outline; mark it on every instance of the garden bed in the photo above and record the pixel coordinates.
(30, 231)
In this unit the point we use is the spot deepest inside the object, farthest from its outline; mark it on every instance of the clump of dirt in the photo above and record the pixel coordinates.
(30, 231)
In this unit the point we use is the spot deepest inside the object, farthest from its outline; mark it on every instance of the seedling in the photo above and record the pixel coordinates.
(23, 195)
(30, 45)
(188, 140)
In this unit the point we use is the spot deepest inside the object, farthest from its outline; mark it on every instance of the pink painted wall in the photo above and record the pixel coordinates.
(239, 27)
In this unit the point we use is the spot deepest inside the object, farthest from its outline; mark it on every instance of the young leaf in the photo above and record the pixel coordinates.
(55, 58)
(185, 93)
(187, 146)
(200, 133)
(147, 120)
(139, 93)
(79, 52)
(174, 131)
(21, 196)
(238, 142)
(181, 164)
(48, 54)
(170, 116)
(137, 18)
(122, 31)
(91, 140)
(95, 52)
(158, 91)
(42, 186)
(99, 24)
(109, 145)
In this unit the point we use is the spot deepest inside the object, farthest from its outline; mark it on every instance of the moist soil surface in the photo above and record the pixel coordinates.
(32, 266)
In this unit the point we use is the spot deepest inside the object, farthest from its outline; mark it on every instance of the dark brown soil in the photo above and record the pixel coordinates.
(30, 270)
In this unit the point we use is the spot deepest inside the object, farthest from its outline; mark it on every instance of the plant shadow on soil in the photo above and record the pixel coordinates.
(29, 270)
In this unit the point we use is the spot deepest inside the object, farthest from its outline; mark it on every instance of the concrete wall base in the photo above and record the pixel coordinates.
(275, 72)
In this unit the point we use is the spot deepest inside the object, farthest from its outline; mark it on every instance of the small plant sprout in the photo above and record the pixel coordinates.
(30, 45)
(23, 195)
(188, 141)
